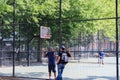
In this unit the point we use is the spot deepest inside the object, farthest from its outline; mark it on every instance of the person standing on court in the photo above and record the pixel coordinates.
(62, 60)
(101, 57)
(51, 61)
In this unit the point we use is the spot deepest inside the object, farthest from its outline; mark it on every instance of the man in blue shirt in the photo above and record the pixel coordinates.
(101, 57)
(51, 61)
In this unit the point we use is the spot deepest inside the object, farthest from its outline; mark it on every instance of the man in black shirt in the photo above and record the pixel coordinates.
(60, 63)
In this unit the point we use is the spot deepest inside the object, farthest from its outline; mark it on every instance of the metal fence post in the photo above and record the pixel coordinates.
(60, 23)
(14, 24)
(117, 44)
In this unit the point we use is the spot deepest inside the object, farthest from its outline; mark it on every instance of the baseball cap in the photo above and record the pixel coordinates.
(63, 47)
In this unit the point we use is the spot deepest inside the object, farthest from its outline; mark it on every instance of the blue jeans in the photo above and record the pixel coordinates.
(60, 71)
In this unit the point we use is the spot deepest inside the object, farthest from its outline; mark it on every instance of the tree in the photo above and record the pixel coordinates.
(78, 16)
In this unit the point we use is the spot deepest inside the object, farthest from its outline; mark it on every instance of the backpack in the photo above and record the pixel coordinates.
(64, 58)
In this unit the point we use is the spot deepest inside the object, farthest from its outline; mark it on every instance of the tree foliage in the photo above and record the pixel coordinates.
(77, 17)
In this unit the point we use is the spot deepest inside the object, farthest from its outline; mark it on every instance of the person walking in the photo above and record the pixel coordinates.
(51, 61)
(62, 61)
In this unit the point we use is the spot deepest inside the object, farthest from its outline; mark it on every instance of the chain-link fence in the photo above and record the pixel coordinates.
(20, 38)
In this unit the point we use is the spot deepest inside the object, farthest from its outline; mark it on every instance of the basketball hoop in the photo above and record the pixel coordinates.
(45, 32)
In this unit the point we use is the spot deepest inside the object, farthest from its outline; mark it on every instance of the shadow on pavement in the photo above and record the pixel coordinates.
(32, 74)
(19, 78)
(93, 78)
(65, 78)
(22, 76)
(99, 78)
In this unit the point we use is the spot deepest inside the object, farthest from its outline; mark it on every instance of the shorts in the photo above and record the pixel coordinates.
(101, 59)
(52, 68)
